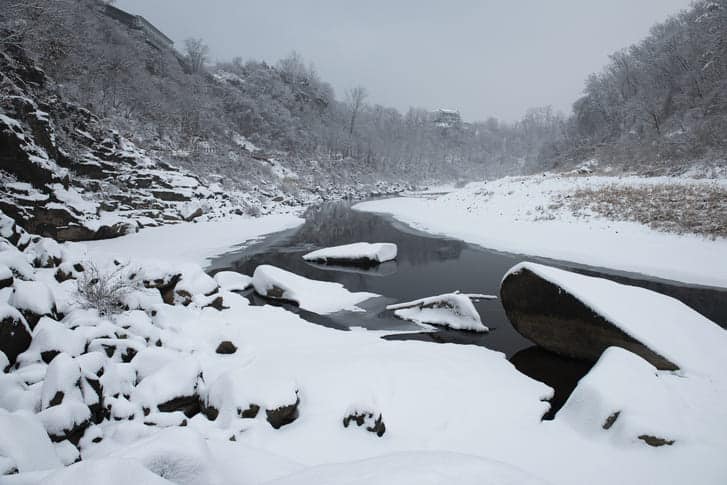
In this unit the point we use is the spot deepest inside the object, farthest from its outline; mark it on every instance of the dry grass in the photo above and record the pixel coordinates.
(682, 209)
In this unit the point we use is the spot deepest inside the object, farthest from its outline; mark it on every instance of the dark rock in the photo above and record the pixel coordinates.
(210, 411)
(6, 283)
(48, 355)
(226, 347)
(14, 337)
(189, 405)
(655, 441)
(218, 304)
(283, 415)
(250, 412)
(194, 215)
(57, 399)
(611, 420)
(165, 286)
(376, 426)
(558, 321)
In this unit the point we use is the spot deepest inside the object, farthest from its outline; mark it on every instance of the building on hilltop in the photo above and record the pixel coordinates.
(447, 118)
(154, 36)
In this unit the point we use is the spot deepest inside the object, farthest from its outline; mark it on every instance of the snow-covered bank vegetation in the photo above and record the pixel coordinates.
(577, 218)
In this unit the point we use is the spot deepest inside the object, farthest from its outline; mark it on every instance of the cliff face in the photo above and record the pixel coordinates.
(67, 176)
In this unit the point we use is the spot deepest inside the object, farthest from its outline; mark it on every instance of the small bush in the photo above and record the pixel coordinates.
(105, 290)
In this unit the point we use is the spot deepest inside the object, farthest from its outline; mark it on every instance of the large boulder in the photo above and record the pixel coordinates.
(580, 317)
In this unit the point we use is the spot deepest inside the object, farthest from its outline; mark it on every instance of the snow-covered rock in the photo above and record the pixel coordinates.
(580, 316)
(356, 253)
(316, 296)
(34, 299)
(26, 443)
(453, 310)
(624, 397)
(232, 281)
(174, 387)
(44, 252)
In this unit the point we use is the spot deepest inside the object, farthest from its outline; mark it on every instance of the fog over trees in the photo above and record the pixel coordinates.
(662, 101)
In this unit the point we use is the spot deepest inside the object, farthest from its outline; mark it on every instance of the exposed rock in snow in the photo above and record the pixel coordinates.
(580, 316)
(6, 277)
(316, 296)
(15, 334)
(357, 254)
(233, 281)
(454, 310)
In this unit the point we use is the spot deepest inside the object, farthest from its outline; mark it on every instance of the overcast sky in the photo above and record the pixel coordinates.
(485, 58)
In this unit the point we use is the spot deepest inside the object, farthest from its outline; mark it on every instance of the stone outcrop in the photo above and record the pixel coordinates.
(558, 321)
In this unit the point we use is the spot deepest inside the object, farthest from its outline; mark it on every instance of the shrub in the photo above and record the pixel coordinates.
(106, 289)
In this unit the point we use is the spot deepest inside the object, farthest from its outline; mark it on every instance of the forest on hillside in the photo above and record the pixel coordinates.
(662, 102)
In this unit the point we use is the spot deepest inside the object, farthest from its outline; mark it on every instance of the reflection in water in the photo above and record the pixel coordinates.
(426, 266)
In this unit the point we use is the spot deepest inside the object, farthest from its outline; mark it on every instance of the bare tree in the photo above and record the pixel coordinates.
(355, 98)
(197, 54)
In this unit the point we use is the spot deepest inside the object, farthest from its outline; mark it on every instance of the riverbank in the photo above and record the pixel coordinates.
(552, 216)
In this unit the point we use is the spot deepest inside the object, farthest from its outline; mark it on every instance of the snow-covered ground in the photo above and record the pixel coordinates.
(272, 392)
(518, 215)
(198, 242)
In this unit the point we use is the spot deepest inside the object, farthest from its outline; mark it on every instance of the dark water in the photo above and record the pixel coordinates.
(426, 266)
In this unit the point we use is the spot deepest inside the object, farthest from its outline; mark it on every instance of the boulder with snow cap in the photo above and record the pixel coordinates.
(51, 338)
(15, 333)
(43, 252)
(372, 421)
(359, 254)
(34, 299)
(321, 297)
(24, 441)
(625, 398)
(580, 316)
(454, 310)
(11, 257)
(174, 387)
(232, 281)
(15, 234)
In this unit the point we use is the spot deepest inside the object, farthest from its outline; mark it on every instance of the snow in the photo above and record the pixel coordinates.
(106, 471)
(414, 468)
(63, 375)
(232, 281)
(376, 253)
(25, 442)
(453, 310)
(624, 383)
(505, 215)
(191, 242)
(316, 296)
(179, 378)
(664, 324)
(441, 404)
(33, 296)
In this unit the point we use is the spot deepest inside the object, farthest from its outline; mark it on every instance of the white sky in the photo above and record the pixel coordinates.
(485, 58)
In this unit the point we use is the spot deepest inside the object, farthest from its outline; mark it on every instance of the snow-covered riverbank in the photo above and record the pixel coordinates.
(526, 215)
(198, 386)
